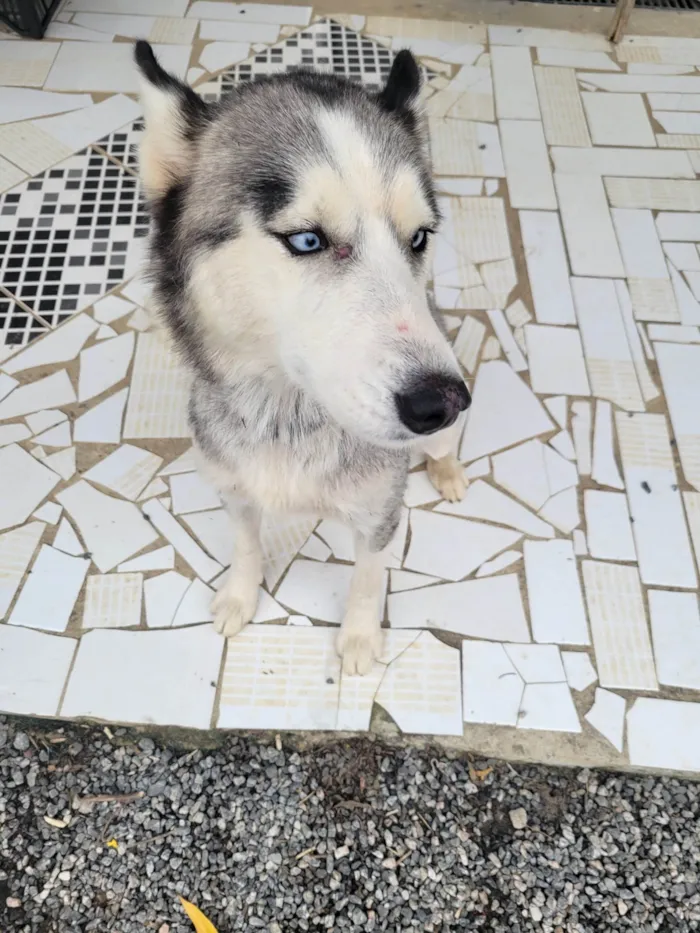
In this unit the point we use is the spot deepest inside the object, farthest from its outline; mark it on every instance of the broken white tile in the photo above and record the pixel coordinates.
(139, 320)
(113, 600)
(478, 468)
(674, 101)
(588, 228)
(156, 487)
(185, 463)
(466, 147)
(505, 337)
(562, 510)
(661, 734)
(580, 673)
(678, 365)
(53, 390)
(571, 58)
(618, 120)
(25, 64)
(339, 537)
(163, 558)
(59, 346)
(619, 626)
(562, 112)
(604, 471)
(547, 267)
(674, 333)
(654, 193)
(172, 677)
(642, 164)
(49, 513)
(22, 103)
(105, 66)
(504, 560)
(184, 544)
(691, 501)
(556, 361)
(192, 493)
(163, 594)
(554, 592)
(17, 548)
(561, 474)
(421, 688)
(159, 392)
(608, 526)
(250, 13)
(10, 175)
(82, 127)
(579, 539)
(549, 38)
(195, 605)
(407, 580)
(282, 536)
(693, 280)
(125, 471)
(218, 55)
(277, 677)
(104, 365)
(660, 532)
(102, 424)
(66, 539)
(111, 308)
(315, 549)
(12, 433)
(514, 84)
(510, 412)
(684, 256)
(58, 436)
(548, 707)
(33, 690)
(461, 186)
(29, 147)
(675, 630)
(316, 589)
(608, 356)
(688, 309)
(642, 255)
(25, 484)
(491, 350)
(678, 122)
(527, 165)
(536, 663)
(607, 715)
(490, 608)
(647, 385)
(641, 84)
(111, 529)
(215, 531)
(521, 471)
(419, 491)
(492, 687)
(452, 548)
(7, 384)
(517, 314)
(50, 591)
(62, 462)
(655, 68)
(563, 444)
(484, 502)
(557, 407)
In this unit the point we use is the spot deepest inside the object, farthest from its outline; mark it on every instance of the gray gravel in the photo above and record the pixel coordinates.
(347, 836)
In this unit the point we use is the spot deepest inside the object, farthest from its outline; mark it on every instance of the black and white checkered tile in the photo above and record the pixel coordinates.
(17, 326)
(70, 234)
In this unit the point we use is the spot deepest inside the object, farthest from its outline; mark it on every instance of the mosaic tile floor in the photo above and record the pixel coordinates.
(555, 609)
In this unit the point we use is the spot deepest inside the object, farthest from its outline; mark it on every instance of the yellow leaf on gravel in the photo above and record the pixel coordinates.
(200, 922)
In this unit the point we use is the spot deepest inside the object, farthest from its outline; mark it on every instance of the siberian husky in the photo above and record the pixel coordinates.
(290, 250)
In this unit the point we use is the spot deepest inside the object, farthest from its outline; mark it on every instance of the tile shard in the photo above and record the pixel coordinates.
(679, 365)
(175, 534)
(17, 548)
(554, 592)
(51, 657)
(662, 734)
(604, 470)
(492, 687)
(50, 591)
(607, 715)
(675, 630)
(484, 502)
(580, 673)
(25, 484)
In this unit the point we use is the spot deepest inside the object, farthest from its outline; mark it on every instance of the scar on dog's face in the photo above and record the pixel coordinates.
(305, 219)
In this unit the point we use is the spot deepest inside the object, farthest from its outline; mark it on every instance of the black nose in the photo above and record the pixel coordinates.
(432, 404)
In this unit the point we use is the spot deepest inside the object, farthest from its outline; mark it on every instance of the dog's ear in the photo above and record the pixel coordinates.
(174, 117)
(403, 84)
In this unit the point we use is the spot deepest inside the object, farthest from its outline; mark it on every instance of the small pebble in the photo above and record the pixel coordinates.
(21, 742)
(13, 902)
(518, 818)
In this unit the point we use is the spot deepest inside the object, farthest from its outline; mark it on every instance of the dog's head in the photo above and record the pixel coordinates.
(293, 226)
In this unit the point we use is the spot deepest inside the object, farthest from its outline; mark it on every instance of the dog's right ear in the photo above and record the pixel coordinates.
(174, 117)
(402, 86)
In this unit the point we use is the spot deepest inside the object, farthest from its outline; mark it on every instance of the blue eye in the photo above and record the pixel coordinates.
(306, 242)
(419, 241)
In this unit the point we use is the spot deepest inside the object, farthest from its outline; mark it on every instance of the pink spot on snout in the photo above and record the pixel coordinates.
(402, 327)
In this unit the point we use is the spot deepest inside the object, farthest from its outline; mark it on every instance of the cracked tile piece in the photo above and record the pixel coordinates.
(357, 694)
(241, 32)
(687, 309)
(452, 548)
(555, 357)
(648, 387)
(163, 558)
(660, 531)
(49, 513)
(504, 560)
(103, 423)
(22, 103)
(155, 488)
(468, 342)
(66, 539)
(607, 716)
(570, 58)
(280, 677)
(191, 492)
(125, 471)
(588, 228)
(218, 55)
(547, 267)
(276, 14)
(172, 677)
(608, 526)
(159, 391)
(579, 540)
(557, 611)
(315, 549)
(691, 501)
(104, 365)
(490, 607)
(58, 436)
(419, 491)
(510, 413)
(562, 112)
(109, 309)
(521, 471)
(563, 444)
(484, 502)
(112, 529)
(281, 538)
(50, 591)
(536, 663)
(195, 605)
(12, 433)
(33, 688)
(557, 407)
(106, 66)
(59, 346)
(163, 594)
(662, 734)
(51, 391)
(514, 84)
(184, 544)
(618, 120)
(464, 147)
(580, 673)
(215, 531)
(407, 580)
(492, 687)
(675, 630)
(527, 165)
(17, 548)
(619, 626)
(25, 484)
(678, 365)
(549, 38)
(421, 689)
(512, 351)
(113, 600)
(316, 590)
(62, 462)
(604, 469)
(25, 64)
(548, 707)
(581, 430)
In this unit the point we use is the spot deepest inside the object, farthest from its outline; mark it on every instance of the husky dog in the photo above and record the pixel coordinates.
(291, 246)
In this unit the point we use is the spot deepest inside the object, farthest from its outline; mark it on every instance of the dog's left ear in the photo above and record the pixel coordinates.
(174, 117)
(402, 86)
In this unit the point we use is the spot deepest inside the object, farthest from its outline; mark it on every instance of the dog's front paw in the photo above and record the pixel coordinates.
(447, 476)
(233, 609)
(359, 648)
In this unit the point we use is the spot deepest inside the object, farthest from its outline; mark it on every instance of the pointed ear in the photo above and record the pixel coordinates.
(403, 84)
(174, 116)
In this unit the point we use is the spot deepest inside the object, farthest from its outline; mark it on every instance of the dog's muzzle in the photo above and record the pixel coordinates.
(432, 404)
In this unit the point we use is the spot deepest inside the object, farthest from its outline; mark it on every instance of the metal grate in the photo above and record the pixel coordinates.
(689, 5)
(27, 17)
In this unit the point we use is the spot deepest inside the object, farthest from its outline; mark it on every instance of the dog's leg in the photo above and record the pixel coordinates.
(235, 603)
(360, 640)
(444, 469)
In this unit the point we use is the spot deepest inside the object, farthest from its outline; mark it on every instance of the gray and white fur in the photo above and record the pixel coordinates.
(289, 258)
